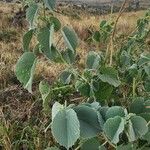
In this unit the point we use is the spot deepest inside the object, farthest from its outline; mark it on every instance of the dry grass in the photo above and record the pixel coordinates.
(11, 39)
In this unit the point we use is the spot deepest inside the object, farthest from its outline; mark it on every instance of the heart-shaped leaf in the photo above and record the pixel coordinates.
(45, 38)
(136, 128)
(145, 58)
(55, 109)
(83, 88)
(96, 36)
(91, 144)
(68, 56)
(56, 22)
(44, 89)
(93, 60)
(70, 38)
(110, 76)
(50, 4)
(113, 128)
(27, 39)
(115, 111)
(66, 127)
(89, 125)
(66, 77)
(31, 14)
(25, 69)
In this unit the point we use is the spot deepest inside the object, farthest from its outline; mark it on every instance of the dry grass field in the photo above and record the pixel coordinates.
(11, 38)
(18, 104)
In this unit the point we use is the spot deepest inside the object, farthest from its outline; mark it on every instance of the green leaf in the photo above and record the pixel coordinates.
(36, 49)
(115, 111)
(83, 88)
(93, 60)
(147, 136)
(66, 77)
(55, 55)
(45, 38)
(147, 70)
(66, 127)
(27, 39)
(146, 116)
(126, 147)
(25, 69)
(147, 85)
(103, 23)
(50, 4)
(145, 58)
(68, 56)
(31, 14)
(102, 91)
(113, 128)
(103, 110)
(91, 144)
(110, 76)
(130, 132)
(52, 148)
(102, 147)
(133, 70)
(125, 59)
(137, 127)
(70, 38)
(55, 109)
(44, 89)
(96, 36)
(89, 125)
(56, 22)
(137, 106)
(140, 106)
(147, 106)
(100, 119)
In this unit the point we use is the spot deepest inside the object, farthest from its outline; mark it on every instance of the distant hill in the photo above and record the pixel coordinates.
(142, 3)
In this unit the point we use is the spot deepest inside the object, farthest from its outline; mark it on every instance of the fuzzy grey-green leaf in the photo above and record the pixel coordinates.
(91, 144)
(93, 60)
(66, 127)
(113, 128)
(115, 111)
(44, 89)
(139, 126)
(70, 38)
(45, 38)
(31, 14)
(110, 76)
(25, 69)
(55, 109)
(50, 4)
(27, 39)
(89, 123)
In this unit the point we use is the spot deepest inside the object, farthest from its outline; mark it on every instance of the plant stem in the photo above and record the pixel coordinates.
(114, 146)
(62, 87)
(44, 12)
(134, 87)
(111, 44)
(148, 123)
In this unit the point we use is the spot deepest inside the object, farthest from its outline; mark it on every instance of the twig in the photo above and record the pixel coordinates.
(111, 44)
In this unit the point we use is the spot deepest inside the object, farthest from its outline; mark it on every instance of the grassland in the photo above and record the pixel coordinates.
(18, 109)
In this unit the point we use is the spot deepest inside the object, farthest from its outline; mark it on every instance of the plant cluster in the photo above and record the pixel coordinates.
(114, 86)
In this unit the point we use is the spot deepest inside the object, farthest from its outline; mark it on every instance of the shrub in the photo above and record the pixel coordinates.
(114, 84)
